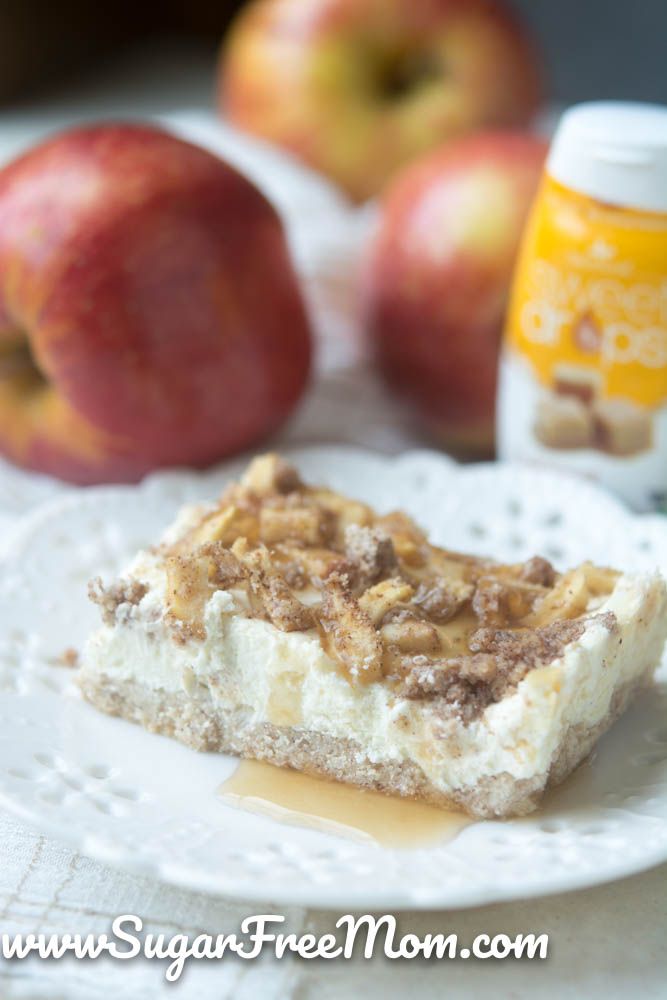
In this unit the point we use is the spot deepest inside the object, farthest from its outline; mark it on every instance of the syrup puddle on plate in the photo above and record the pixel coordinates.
(332, 807)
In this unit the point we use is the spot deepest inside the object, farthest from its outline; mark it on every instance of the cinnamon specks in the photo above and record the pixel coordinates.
(499, 660)
(113, 596)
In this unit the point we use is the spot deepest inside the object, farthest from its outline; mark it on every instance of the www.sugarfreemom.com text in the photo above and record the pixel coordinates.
(364, 935)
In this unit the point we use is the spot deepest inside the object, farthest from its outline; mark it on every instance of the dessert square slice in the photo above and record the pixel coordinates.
(287, 623)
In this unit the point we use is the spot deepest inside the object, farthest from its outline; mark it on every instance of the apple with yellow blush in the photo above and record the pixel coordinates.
(436, 280)
(358, 88)
(149, 313)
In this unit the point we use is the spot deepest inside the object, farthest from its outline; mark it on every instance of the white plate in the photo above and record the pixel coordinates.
(148, 804)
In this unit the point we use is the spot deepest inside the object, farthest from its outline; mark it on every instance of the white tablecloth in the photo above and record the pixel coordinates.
(608, 941)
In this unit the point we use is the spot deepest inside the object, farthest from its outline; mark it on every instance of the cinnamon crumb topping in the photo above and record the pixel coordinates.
(371, 552)
(110, 598)
(224, 569)
(436, 678)
(272, 596)
(442, 599)
(531, 646)
(497, 601)
(540, 571)
(499, 660)
(387, 604)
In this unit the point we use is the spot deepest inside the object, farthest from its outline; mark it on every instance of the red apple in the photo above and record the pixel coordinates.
(437, 278)
(149, 314)
(358, 88)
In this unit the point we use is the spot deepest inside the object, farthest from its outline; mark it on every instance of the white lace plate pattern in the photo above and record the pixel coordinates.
(145, 803)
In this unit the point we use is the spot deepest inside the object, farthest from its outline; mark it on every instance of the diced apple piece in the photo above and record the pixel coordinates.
(600, 579)
(349, 634)
(269, 474)
(568, 599)
(306, 525)
(227, 525)
(441, 599)
(384, 597)
(347, 511)
(411, 635)
(409, 542)
(188, 590)
(317, 563)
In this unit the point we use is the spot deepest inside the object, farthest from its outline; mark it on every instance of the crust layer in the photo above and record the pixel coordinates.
(200, 723)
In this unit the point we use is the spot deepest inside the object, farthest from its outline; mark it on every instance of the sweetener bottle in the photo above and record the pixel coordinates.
(583, 373)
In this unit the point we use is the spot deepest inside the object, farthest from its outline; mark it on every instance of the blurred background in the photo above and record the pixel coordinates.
(401, 142)
(585, 45)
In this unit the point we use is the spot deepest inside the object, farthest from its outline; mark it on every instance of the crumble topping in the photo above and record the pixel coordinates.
(532, 646)
(441, 599)
(110, 599)
(502, 601)
(272, 597)
(538, 570)
(499, 659)
(463, 683)
(371, 552)
(224, 569)
(387, 605)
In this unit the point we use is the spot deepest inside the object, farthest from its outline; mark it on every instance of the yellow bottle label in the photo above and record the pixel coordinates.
(585, 361)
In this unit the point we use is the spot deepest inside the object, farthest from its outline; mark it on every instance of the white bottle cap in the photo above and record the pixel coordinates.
(614, 151)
